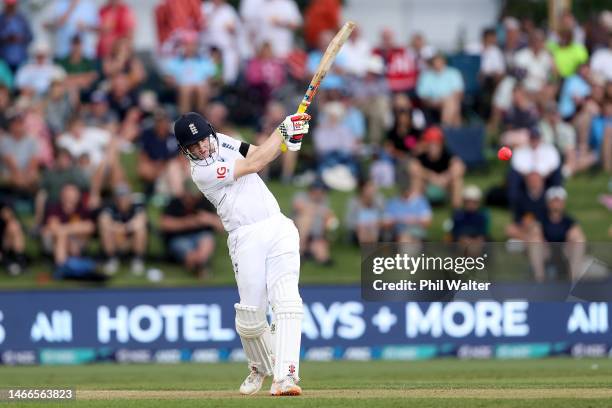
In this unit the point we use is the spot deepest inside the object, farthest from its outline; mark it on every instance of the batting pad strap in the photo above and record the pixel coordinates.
(254, 332)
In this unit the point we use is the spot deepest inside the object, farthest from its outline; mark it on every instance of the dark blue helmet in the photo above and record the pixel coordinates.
(189, 129)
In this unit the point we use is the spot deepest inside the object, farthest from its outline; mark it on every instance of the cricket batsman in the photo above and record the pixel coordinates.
(263, 243)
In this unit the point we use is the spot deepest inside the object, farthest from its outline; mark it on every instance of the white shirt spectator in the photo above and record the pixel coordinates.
(538, 66)
(275, 16)
(601, 63)
(492, 61)
(357, 54)
(37, 76)
(92, 143)
(71, 19)
(543, 159)
(223, 31)
(502, 97)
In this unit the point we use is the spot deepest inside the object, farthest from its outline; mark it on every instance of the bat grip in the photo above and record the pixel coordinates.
(301, 109)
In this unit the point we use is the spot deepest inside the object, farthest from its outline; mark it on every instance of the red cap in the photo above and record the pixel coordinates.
(433, 135)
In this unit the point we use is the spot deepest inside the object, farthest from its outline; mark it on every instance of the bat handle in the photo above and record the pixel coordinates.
(301, 109)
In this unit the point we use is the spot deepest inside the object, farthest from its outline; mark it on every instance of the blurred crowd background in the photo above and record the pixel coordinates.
(404, 134)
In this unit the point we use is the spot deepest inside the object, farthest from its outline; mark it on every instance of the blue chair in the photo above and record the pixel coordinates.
(467, 143)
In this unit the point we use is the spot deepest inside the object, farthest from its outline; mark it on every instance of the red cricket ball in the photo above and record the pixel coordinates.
(504, 153)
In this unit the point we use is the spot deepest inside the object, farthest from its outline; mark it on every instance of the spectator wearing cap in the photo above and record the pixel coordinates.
(70, 18)
(364, 214)
(470, 223)
(441, 88)
(15, 36)
(562, 135)
(189, 73)
(189, 223)
(568, 54)
(116, 21)
(160, 166)
(35, 77)
(556, 227)
(437, 169)
(64, 171)
(81, 71)
(401, 67)
(313, 218)
(408, 216)
(68, 226)
(19, 171)
(123, 231)
(12, 241)
(535, 156)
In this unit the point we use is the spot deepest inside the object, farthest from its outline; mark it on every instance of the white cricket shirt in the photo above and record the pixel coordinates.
(244, 201)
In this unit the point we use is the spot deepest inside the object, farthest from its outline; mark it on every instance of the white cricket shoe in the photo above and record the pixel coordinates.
(252, 383)
(286, 387)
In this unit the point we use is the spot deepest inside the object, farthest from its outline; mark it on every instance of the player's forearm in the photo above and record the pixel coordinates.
(266, 152)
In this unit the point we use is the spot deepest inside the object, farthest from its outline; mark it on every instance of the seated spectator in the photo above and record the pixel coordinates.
(189, 73)
(601, 61)
(5, 103)
(123, 100)
(6, 76)
(160, 166)
(576, 88)
(537, 62)
(34, 78)
(15, 35)
(123, 231)
(82, 72)
(273, 115)
(408, 216)
(19, 170)
(223, 31)
(313, 218)
(364, 214)
(64, 171)
(471, 222)
(319, 16)
(521, 116)
(536, 156)
(265, 73)
(600, 139)
(335, 141)
(170, 18)
(441, 89)
(68, 226)
(401, 67)
(562, 135)
(436, 170)
(529, 208)
(492, 64)
(122, 60)
(100, 115)
(188, 224)
(421, 50)
(12, 241)
(357, 52)
(335, 78)
(567, 54)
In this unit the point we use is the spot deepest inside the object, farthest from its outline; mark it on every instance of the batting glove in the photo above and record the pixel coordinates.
(293, 129)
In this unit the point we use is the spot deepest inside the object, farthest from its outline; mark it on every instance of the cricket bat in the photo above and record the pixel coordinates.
(326, 62)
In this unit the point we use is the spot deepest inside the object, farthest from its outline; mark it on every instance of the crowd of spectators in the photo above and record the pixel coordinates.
(72, 112)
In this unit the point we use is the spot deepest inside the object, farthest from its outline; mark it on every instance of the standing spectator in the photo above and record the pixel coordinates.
(159, 161)
(12, 241)
(437, 169)
(15, 36)
(319, 16)
(408, 216)
(189, 73)
(400, 64)
(189, 223)
(68, 226)
(223, 32)
(117, 21)
(441, 89)
(278, 19)
(537, 62)
(172, 16)
(82, 71)
(35, 77)
(567, 54)
(471, 223)
(313, 217)
(601, 61)
(123, 230)
(18, 157)
(364, 214)
(70, 18)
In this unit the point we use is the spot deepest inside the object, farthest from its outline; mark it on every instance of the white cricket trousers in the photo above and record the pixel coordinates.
(264, 255)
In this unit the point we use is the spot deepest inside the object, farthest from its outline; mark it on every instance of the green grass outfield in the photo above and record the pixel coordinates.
(559, 382)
